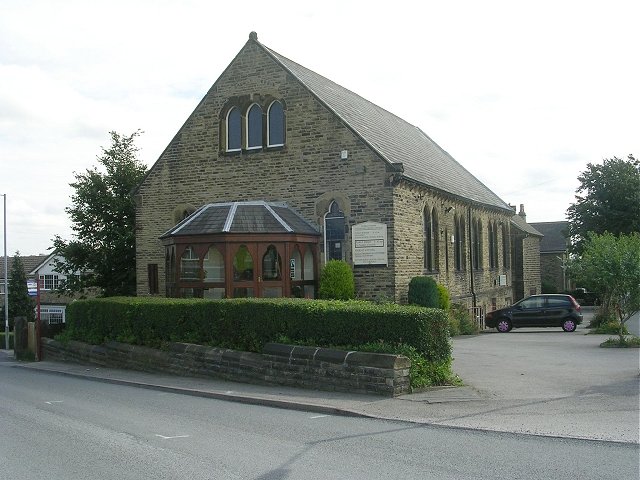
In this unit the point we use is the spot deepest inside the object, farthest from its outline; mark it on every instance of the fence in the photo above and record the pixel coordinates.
(477, 313)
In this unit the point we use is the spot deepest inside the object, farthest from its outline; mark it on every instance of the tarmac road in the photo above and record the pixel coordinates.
(534, 381)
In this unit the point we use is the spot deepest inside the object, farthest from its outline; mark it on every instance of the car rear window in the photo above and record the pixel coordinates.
(558, 302)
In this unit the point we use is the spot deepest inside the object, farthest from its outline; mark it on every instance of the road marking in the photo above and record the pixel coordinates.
(319, 416)
(53, 401)
(171, 438)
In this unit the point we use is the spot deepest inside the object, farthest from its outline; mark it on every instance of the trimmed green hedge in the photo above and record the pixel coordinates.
(247, 324)
(3, 341)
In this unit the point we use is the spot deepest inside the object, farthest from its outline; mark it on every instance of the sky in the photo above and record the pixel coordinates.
(523, 94)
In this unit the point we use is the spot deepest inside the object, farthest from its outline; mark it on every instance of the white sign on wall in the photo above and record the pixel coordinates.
(369, 244)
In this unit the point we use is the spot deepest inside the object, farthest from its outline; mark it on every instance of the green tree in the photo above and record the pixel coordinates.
(20, 303)
(607, 200)
(610, 265)
(103, 219)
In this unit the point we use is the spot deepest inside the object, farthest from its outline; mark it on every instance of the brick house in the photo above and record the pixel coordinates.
(272, 140)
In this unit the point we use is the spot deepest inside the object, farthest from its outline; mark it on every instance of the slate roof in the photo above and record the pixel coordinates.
(554, 239)
(394, 139)
(521, 224)
(243, 217)
(29, 262)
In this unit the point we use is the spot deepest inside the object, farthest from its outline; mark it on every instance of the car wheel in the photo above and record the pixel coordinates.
(569, 325)
(503, 325)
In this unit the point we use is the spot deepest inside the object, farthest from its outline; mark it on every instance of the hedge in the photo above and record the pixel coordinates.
(248, 324)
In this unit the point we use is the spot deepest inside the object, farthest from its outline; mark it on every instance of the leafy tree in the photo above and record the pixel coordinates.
(607, 200)
(20, 303)
(610, 265)
(103, 217)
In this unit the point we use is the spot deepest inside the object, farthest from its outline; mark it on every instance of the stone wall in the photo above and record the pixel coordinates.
(303, 367)
(307, 172)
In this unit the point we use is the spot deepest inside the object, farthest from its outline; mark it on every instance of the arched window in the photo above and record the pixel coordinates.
(297, 261)
(213, 266)
(242, 264)
(271, 264)
(430, 239)
(275, 125)
(505, 247)
(476, 238)
(308, 265)
(334, 232)
(493, 245)
(459, 243)
(234, 136)
(446, 249)
(254, 127)
(189, 265)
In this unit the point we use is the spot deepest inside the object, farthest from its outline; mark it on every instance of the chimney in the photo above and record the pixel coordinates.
(521, 212)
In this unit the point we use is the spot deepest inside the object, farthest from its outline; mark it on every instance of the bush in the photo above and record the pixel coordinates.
(423, 291)
(461, 321)
(422, 372)
(336, 281)
(3, 341)
(443, 297)
(610, 328)
(247, 324)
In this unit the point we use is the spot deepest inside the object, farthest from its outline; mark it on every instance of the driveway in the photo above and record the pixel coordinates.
(548, 381)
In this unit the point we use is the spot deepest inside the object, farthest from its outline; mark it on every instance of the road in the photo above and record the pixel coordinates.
(68, 428)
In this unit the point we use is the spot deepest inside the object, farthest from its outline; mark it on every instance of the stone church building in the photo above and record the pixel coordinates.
(279, 170)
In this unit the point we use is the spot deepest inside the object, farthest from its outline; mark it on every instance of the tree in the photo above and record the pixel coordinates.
(103, 220)
(20, 303)
(610, 265)
(607, 200)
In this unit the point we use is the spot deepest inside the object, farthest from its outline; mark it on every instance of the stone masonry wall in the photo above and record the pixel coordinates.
(304, 367)
(306, 173)
(409, 205)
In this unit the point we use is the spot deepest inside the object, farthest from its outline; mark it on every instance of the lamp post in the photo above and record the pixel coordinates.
(6, 283)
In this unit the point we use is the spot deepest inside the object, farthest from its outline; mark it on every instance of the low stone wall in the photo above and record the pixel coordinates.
(305, 367)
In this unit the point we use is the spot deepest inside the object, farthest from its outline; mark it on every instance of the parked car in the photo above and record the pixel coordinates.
(547, 310)
(586, 298)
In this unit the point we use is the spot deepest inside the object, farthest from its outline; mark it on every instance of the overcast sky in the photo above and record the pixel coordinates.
(522, 94)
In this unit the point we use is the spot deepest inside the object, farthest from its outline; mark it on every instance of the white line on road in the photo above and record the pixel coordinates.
(171, 438)
(51, 402)
(319, 416)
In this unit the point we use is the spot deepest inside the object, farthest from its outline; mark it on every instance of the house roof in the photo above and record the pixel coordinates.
(29, 262)
(522, 224)
(396, 141)
(243, 217)
(554, 236)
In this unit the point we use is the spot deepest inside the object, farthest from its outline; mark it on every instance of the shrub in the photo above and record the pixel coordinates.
(443, 297)
(423, 291)
(422, 373)
(247, 324)
(610, 327)
(336, 281)
(461, 321)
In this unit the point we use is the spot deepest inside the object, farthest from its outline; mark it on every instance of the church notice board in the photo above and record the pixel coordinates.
(369, 244)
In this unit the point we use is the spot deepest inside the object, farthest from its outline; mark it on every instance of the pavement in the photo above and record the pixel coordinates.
(531, 381)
